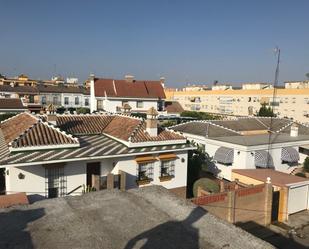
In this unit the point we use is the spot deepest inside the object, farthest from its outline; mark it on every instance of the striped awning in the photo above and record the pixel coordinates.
(224, 155)
(263, 159)
(289, 154)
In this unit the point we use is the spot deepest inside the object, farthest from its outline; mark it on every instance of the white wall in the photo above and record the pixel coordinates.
(75, 174)
(111, 105)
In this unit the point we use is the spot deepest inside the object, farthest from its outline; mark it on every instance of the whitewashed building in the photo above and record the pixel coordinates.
(249, 143)
(54, 155)
(111, 95)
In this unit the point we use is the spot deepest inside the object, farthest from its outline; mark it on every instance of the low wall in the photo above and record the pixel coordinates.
(240, 205)
(13, 199)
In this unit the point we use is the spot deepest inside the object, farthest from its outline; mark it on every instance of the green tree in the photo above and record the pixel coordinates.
(199, 115)
(307, 75)
(266, 111)
(198, 160)
(306, 164)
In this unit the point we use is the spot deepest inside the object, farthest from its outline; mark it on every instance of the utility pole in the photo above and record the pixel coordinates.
(275, 84)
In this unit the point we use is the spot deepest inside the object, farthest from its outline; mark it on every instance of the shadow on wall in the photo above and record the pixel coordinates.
(13, 226)
(271, 237)
(171, 234)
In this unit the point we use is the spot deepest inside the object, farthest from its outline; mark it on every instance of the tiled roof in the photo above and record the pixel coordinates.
(94, 146)
(15, 126)
(41, 134)
(62, 89)
(11, 104)
(121, 127)
(83, 124)
(277, 178)
(18, 89)
(25, 130)
(173, 107)
(123, 88)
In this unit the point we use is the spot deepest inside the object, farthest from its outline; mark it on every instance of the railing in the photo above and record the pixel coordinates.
(72, 191)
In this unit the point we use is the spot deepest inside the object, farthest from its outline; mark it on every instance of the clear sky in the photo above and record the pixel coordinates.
(185, 41)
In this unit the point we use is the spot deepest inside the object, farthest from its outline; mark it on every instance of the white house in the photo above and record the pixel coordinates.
(249, 143)
(111, 95)
(53, 155)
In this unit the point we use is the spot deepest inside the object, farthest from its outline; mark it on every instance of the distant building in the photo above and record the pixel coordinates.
(112, 95)
(289, 102)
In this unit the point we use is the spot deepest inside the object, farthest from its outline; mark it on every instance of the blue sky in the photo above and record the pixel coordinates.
(185, 41)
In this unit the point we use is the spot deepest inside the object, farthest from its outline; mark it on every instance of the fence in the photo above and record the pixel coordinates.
(239, 205)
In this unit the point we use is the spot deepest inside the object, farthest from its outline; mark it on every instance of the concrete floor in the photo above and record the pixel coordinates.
(148, 217)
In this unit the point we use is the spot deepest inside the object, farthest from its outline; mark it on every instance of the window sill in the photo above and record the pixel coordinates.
(165, 178)
(143, 182)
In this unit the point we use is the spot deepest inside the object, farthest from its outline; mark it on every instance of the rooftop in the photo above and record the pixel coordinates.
(277, 178)
(148, 217)
(11, 104)
(245, 131)
(124, 88)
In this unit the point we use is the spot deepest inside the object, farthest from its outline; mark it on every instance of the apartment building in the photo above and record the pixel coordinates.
(291, 101)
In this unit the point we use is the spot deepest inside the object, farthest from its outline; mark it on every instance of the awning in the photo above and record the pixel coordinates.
(289, 154)
(224, 155)
(167, 156)
(263, 159)
(145, 159)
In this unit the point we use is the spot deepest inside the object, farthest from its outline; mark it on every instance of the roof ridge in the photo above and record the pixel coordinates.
(25, 132)
(15, 116)
(133, 133)
(223, 127)
(284, 127)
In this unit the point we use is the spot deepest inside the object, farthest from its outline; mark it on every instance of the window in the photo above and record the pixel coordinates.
(76, 100)
(139, 104)
(55, 182)
(66, 100)
(145, 171)
(100, 104)
(43, 100)
(167, 168)
(55, 100)
(86, 102)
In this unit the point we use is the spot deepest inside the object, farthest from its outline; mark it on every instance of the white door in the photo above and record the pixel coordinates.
(298, 199)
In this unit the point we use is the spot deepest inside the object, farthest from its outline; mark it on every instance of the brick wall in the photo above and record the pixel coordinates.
(240, 205)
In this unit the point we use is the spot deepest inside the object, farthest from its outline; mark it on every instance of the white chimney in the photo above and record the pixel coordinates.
(294, 130)
(129, 78)
(93, 102)
(152, 122)
(162, 80)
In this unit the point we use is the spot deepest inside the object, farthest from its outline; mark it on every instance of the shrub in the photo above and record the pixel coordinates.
(199, 115)
(207, 185)
(60, 110)
(82, 110)
(301, 174)
(306, 164)
(5, 116)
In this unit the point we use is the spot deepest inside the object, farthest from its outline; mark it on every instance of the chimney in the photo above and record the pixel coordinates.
(93, 103)
(129, 78)
(152, 122)
(162, 80)
(294, 130)
(51, 114)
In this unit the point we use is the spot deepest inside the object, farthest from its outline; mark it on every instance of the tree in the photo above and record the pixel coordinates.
(199, 115)
(266, 111)
(307, 75)
(198, 160)
(306, 164)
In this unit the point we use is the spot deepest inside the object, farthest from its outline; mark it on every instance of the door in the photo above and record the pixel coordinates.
(298, 199)
(2, 181)
(275, 206)
(92, 169)
(55, 182)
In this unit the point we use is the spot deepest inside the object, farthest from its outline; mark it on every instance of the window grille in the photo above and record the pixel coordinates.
(145, 171)
(55, 182)
(168, 168)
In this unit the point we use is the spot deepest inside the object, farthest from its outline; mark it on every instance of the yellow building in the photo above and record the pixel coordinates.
(290, 102)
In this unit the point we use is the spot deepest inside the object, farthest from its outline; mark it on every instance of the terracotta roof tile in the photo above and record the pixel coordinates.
(15, 126)
(123, 88)
(41, 134)
(12, 103)
(83, 124)
(173, 107)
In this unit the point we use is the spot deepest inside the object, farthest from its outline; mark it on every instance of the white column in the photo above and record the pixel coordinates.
(93, 102)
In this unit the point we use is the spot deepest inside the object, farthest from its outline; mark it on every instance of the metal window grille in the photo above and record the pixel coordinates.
(55, 182)
(145, 171)
(168, 168)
